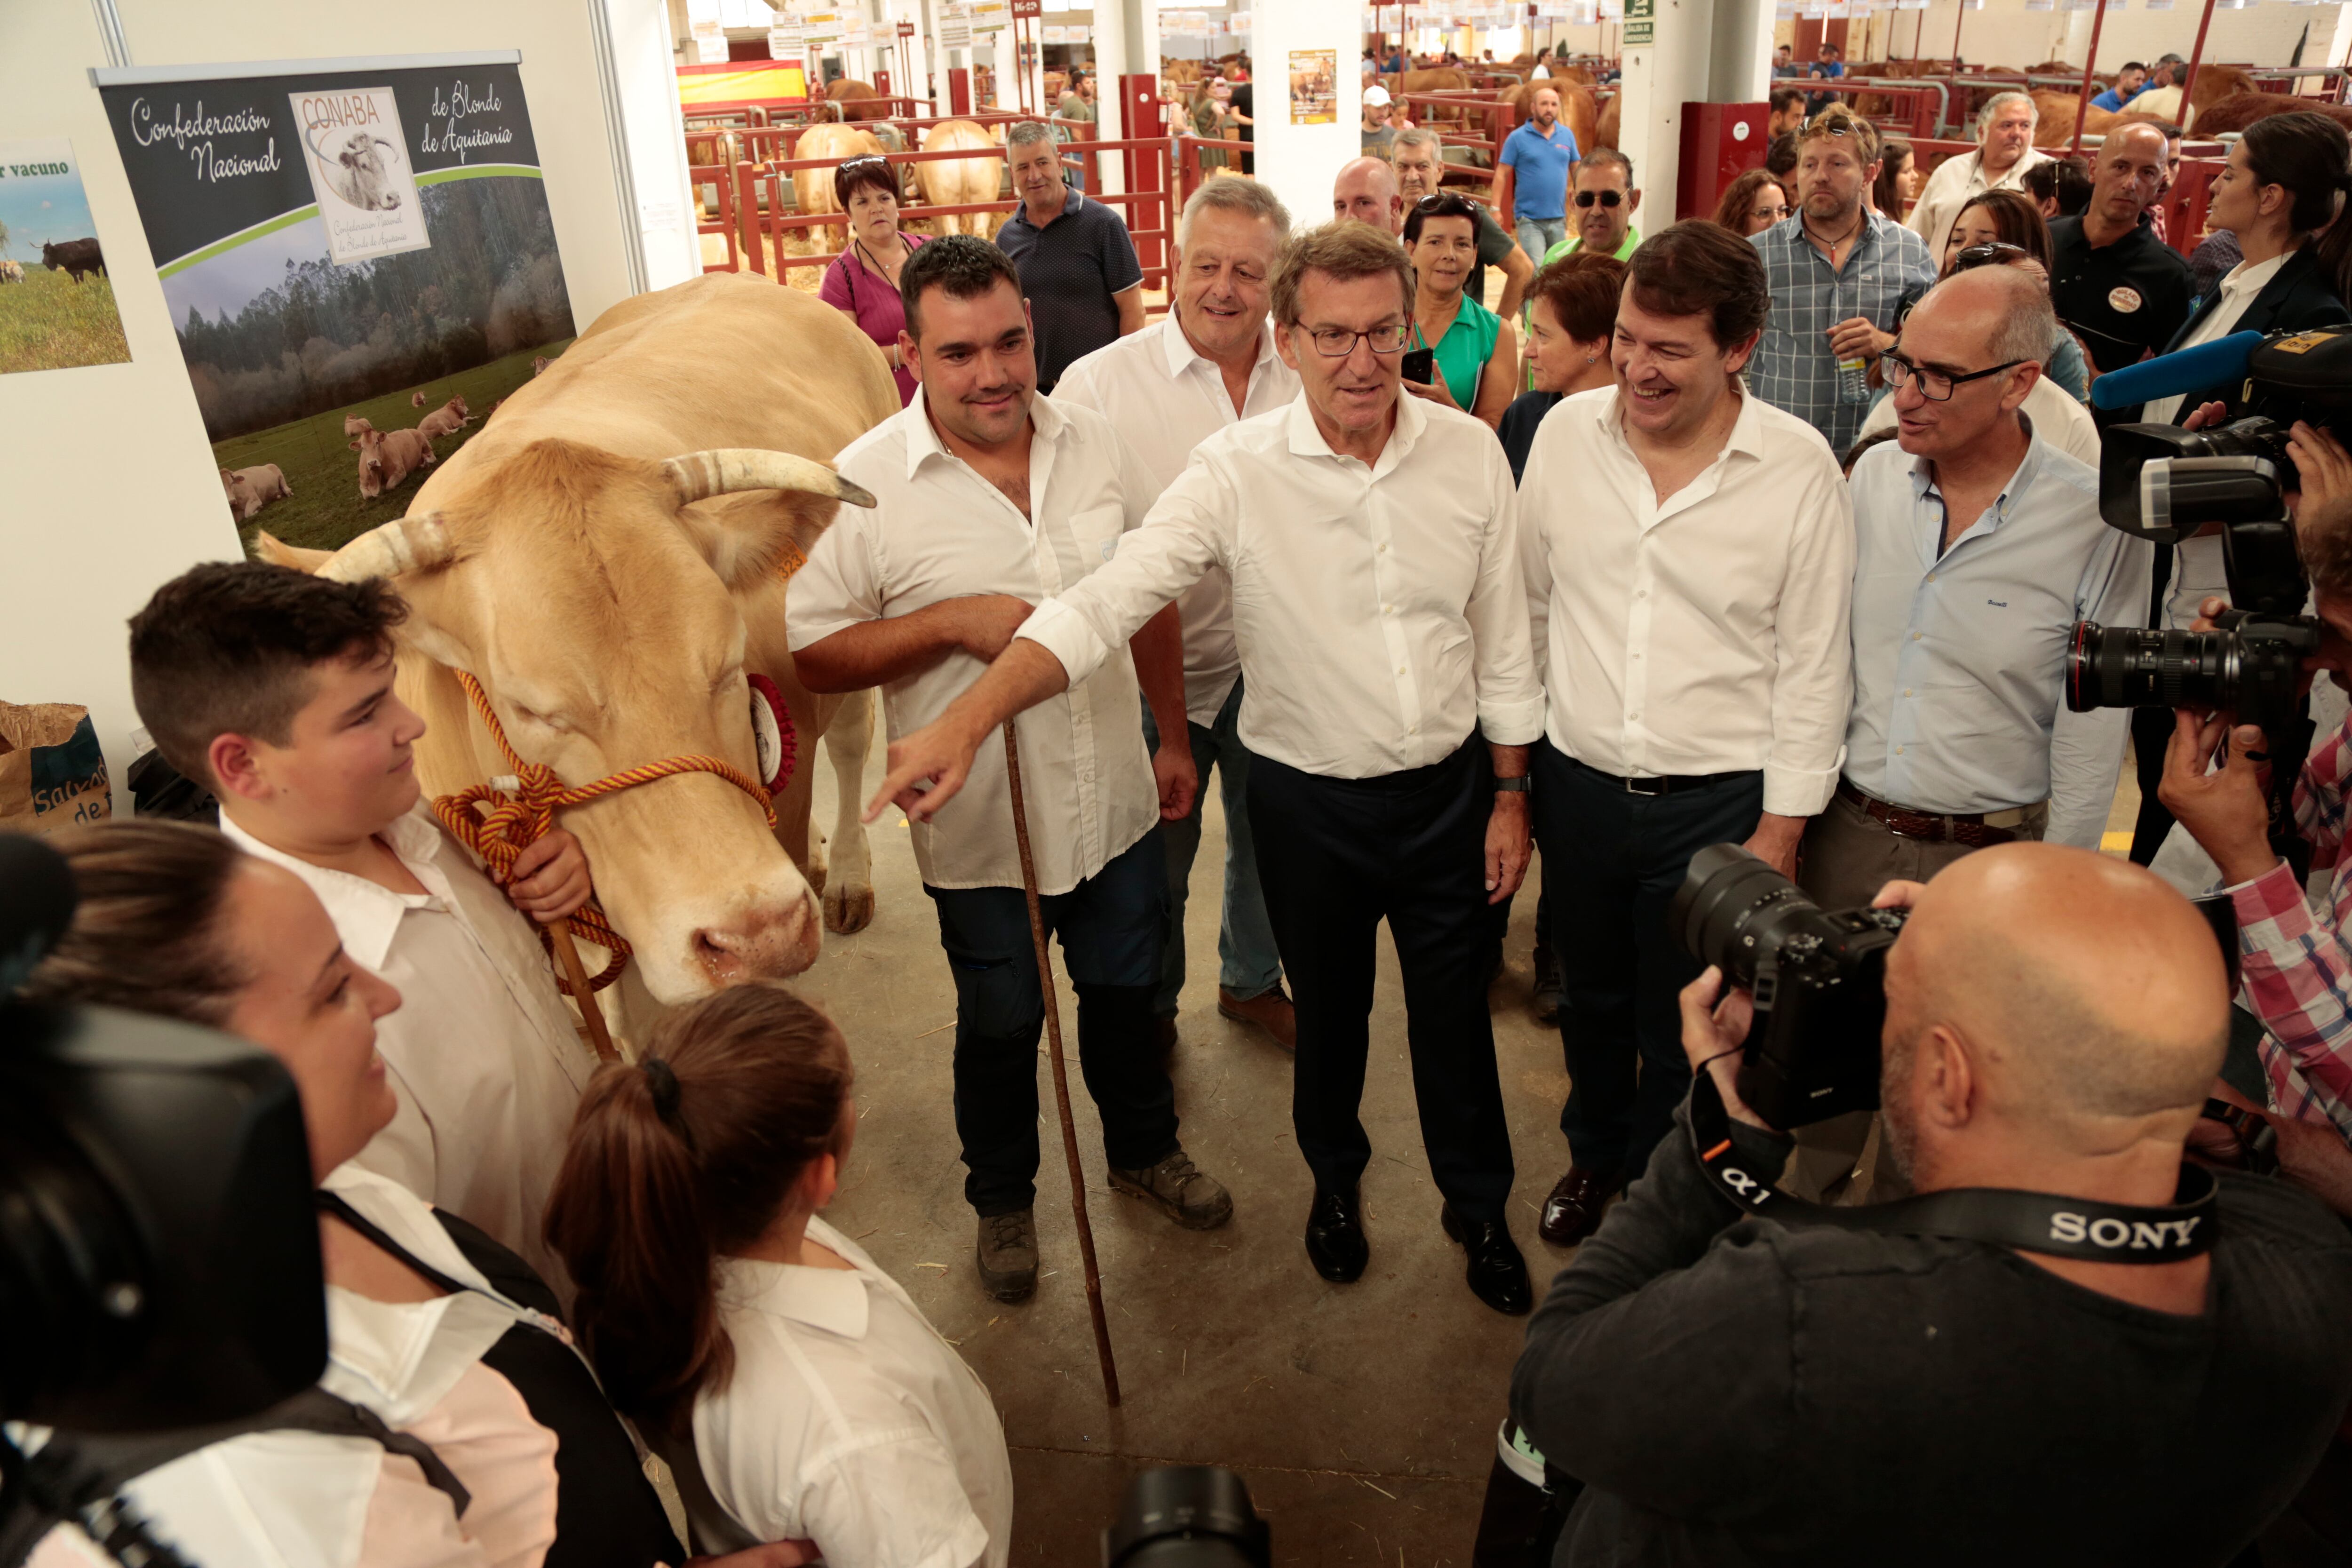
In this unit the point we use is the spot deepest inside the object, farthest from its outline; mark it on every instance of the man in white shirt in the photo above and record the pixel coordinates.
(1380, 618)
(276, 688)
(1689, 554)
(990, 497)
(1165, 389)
(2005, 151)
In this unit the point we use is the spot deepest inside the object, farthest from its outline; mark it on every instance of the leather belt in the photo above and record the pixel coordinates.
(1661, 783)
(1975, 829)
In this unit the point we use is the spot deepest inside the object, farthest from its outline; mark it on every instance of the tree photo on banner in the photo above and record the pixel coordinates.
(359, 262)
(56, 303)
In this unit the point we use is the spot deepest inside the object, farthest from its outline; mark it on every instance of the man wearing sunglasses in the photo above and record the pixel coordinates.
(1603, 208)
(1389, 695)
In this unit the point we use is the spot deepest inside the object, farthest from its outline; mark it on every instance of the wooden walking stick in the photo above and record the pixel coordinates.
(1061, 1074)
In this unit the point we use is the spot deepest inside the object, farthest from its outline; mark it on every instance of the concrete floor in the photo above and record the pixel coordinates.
(1362, 1416)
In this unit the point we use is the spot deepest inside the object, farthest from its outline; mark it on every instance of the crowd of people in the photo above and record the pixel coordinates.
(1772, 531)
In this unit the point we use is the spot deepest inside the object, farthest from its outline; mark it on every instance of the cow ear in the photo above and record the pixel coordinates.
(749, 537)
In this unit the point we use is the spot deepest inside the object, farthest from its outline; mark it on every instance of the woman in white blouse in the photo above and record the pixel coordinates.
(796, 1390)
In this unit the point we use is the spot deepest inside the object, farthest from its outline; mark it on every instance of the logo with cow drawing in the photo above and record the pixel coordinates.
(360, 170)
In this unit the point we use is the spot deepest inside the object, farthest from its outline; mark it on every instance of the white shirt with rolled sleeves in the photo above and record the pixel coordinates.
(1705, 635)
(1164, 399)
(1379, 610)
(485, 1058)
(938, 531)
(849, 1421)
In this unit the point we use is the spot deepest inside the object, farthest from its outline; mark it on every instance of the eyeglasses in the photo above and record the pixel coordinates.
(1991, 253)
(1936, 385)
(1606, 198)
(1337, 343)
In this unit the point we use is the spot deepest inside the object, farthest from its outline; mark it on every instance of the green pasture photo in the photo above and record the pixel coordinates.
(48, 321)
(325, 511)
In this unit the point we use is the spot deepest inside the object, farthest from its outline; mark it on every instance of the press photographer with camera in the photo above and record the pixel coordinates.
(1948, 1400)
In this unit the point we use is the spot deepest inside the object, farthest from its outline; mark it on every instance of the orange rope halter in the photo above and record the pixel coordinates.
(498, 824)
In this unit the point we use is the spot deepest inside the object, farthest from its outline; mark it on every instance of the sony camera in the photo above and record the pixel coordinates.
(2162, 483)
(1818, 978)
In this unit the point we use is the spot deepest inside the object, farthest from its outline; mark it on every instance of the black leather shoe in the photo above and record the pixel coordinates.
(1573, 1211)
(1335, 1237)
(1498, 1275)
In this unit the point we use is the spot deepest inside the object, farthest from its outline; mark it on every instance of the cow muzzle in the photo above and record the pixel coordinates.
(765, 945)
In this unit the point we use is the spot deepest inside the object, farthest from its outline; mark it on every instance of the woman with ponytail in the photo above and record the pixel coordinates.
(796, 1391)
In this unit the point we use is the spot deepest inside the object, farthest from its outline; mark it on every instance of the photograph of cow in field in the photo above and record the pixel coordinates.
(388, 457)
(12, 272)
(78, 257)
(250, 490)
(446, 420)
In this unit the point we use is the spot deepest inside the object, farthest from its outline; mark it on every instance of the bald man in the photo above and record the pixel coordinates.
(1366, 191)
(2053, 1020)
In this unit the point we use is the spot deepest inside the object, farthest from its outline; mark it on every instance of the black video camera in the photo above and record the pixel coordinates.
(159, 1252)
(1818, 978)
(2162, 483)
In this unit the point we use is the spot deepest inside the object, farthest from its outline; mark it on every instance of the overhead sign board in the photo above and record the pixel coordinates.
(1641, 22)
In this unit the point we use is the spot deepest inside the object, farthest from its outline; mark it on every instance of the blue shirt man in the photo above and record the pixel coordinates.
(2130, 82)
(1829, 66)
(1538, 159)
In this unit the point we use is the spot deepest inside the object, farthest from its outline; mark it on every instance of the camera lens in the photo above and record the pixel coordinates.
(1187, 1516)
(2124, 667)
(1732, 909)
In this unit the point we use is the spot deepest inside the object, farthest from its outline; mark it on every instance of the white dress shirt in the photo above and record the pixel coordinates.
(1703, 636)
(1164, 399)
(1377, 609)
(1959, 653)
(2197, 569)
(850, 1422)
(485, 1058)
(1948, 189)
(2057, 420)
(940, 531)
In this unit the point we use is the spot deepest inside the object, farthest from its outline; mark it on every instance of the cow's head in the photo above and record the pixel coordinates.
(592, 597)
(370, 446)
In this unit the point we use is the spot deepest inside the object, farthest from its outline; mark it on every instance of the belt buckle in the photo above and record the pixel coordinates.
(1633, 786)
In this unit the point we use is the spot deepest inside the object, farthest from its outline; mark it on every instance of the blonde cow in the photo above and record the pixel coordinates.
(961, 182)
(606, 558)
(813, 188)
(446, 420)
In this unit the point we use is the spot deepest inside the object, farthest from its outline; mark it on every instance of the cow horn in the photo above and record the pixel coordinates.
(409, 544)
(723, 470)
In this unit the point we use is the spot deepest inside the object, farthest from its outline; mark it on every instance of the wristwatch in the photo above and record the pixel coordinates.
(1517, 786)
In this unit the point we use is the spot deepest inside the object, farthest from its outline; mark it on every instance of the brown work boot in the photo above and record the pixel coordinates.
(1008, 1255)
(1179, 1190)
(1270, 1011)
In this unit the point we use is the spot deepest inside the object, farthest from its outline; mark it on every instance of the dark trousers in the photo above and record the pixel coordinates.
(1337, 856)
(1110, 925)
(2151, 732)
(1618, 858)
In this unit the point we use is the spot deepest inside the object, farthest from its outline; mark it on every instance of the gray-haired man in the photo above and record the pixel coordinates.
(1166, 389)
(1078, 266)
(2005, 151)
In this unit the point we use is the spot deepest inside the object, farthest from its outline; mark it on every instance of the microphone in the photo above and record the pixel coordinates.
(2177, 375)
(37, 904)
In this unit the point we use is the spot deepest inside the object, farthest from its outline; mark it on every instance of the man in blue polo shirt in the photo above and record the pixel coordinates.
(1539, 159)
(2130, 82)
(1078, 265)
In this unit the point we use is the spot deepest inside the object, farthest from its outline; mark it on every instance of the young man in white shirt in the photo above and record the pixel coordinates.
(2005, 152)
(1381, 623)
(1689, 557)
(1165, 389)
(990, 497)
(275, 688)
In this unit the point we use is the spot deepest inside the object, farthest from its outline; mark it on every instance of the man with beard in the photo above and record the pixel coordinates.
(1841, 278)
(2055, 1020)
(1166, 389)
(989, 498)
(1531, 186)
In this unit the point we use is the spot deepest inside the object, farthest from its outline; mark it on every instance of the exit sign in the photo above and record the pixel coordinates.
(1641, 22)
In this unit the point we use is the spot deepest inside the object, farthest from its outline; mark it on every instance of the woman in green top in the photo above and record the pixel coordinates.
(1475, 354)
(1209, 120)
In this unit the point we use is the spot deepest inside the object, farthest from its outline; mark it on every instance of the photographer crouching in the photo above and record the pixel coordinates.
(2150, 1376)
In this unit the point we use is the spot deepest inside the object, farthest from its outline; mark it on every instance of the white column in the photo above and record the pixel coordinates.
(1740, 70)
(1113, 48)
(1707, 51)
(1301, 161)
(919, 53)
(651, 144)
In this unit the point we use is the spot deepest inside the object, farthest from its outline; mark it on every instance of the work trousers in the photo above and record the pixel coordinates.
(1247, 962)
(1338, 855)
(1849, 854)
(1110, 927)
(1539, 235)
(1617, 858)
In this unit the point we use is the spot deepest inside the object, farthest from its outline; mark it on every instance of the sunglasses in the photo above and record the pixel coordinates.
(862, 160)
(1606, 198)
(1991, 253)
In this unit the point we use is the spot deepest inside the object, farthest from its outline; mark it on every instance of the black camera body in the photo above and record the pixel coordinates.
(1818, 978)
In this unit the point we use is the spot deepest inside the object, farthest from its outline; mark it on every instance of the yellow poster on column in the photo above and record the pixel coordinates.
(1314, 86)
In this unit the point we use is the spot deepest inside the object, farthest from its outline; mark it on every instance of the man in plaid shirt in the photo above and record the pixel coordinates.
(1842, 276)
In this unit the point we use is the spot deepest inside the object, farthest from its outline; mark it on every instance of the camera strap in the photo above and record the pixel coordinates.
(2057, 1226)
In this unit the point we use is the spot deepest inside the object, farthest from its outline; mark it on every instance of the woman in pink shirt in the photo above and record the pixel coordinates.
(864, 280)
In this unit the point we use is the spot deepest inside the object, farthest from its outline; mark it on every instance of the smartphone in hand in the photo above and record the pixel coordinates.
(1421, 366)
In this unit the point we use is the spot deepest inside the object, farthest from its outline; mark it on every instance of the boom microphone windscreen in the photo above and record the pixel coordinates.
(2177, 375)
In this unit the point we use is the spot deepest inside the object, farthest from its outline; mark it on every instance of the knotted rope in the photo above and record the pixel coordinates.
(498, 820)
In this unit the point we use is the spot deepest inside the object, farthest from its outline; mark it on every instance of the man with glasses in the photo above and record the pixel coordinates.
(1841, 277)
(2004, 155)
(1978, 545)
(2115, 285)
(1605, 204)
(1388, 696)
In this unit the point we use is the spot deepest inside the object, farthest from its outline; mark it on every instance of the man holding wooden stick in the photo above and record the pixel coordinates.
(989, 498)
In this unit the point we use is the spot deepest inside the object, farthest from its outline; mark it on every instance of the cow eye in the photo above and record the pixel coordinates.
(533, 716)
